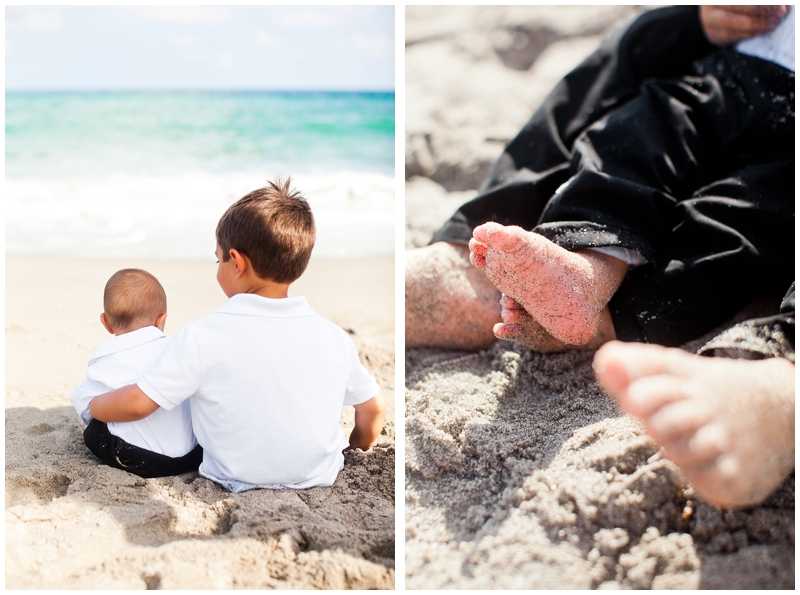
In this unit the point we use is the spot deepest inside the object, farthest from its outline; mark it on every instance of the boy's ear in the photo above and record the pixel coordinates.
(104, 320)
(241, 262)
(161, 321)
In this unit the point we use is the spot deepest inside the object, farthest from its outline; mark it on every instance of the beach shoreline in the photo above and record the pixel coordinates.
(73, 523)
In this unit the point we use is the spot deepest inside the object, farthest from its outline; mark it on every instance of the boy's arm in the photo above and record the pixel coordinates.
(128, 403)
(369, 422)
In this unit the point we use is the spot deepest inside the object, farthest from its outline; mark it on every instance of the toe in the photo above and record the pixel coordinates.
(509, 303)
(505, 239)
(514, 316)
(477, 260)
(481, 233)
(638, 360)
(698, 449)
(645, 396)
(505, 331)
(476, 247)
(676, 420)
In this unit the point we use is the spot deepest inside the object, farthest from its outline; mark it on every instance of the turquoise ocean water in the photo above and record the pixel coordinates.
(113, 174)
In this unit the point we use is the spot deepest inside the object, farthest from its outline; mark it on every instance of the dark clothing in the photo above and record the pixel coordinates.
(664, 144)
(116, 452)
(759, 338)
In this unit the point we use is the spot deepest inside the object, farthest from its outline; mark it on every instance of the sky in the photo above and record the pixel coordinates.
(199, 47)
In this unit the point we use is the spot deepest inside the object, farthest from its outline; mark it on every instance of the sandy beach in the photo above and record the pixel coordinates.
(73, 523)
(520, 472)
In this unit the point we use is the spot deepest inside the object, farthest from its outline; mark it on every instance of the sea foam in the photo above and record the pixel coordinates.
(174, 216)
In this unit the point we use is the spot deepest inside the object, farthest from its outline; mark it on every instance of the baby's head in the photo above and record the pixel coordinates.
(274, 228)
(133, 299)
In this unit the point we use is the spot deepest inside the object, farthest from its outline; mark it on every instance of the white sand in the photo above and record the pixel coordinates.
(520, 472)
(73, 523)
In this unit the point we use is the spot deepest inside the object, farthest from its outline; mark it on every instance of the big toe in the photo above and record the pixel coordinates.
(505, 239)
(481, 233)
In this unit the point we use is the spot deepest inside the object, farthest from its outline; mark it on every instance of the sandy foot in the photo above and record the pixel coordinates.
(564, 291)
(520, 327)
(449, 303)
(728, 424)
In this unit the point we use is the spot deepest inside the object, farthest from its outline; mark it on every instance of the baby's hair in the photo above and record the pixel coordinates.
(274, 227)
(133, 296)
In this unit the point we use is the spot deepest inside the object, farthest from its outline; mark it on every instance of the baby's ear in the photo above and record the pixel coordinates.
(107, 326)
(161, 321)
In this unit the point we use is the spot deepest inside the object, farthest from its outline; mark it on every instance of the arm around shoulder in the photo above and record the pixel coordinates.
(128, 403)
(370, 416)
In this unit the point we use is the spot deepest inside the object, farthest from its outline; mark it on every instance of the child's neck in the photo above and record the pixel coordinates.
(265, 288)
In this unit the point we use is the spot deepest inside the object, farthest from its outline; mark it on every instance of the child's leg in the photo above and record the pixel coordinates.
(449, 303)
(116, 452)
(565, 292)
(728, 424)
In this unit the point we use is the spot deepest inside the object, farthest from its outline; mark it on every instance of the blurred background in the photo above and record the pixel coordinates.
(474, 76)
(129, 130)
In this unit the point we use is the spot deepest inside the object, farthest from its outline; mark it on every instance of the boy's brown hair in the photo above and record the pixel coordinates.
(274, 227)
(133, 296)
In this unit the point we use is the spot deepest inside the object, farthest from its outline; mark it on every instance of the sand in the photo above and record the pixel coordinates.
(74, 523)
(520, 471)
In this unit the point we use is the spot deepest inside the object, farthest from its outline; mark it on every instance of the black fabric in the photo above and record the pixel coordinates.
(660, 43)
(758, 338)
(116, 452)
(663, 144)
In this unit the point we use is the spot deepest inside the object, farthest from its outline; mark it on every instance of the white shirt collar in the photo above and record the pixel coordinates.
(126, 341)
(251, 304)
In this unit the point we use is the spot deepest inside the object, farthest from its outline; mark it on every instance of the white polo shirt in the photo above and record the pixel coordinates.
(267, 380)
(119, 361)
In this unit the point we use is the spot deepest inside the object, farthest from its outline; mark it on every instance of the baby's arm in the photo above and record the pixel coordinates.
(370, 416)
(128, 403)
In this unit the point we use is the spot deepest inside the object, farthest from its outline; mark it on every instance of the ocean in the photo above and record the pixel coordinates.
(120, 174)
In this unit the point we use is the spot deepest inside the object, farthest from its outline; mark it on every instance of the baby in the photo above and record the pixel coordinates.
(135, 310)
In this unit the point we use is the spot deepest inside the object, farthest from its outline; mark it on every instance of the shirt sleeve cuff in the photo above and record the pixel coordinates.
(365, 395)
(155, 396)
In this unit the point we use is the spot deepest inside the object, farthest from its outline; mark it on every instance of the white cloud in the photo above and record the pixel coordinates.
(34, 19)
(179, 14)
(269, 39)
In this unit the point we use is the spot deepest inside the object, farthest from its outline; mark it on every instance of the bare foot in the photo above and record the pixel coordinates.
(449, 303)
(727, 423)
(565, 292)
(518, 326)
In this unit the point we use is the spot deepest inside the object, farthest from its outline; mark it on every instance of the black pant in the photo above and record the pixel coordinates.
(115, 452)
(661, 143)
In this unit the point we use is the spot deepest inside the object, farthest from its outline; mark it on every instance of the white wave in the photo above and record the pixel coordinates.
(175, 216)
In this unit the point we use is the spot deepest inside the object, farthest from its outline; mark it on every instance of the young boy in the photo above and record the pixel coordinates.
(135, 310)
(266, 376)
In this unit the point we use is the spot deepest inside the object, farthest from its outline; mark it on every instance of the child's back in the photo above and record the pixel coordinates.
(268, 379)
(162, 443)
(119, 361)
